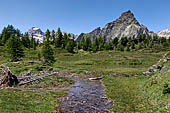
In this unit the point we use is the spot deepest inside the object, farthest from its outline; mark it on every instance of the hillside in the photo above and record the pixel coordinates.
(140, 94)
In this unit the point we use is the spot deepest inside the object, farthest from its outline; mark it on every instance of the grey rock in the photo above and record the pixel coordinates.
(125, 26)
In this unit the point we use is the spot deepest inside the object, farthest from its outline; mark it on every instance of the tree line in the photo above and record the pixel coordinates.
(123, 44)
(15, 42)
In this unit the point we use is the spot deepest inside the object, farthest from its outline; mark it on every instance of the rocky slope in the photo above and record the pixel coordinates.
(164, 33)
(125, 26)
(36, 33)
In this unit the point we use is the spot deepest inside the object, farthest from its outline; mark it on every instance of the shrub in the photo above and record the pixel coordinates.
(166, 89)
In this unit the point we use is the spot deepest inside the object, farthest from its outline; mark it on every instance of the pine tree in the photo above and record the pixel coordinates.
(33, 43)
(47, 35)
(115, 42)
(70, 46)
(7, 32)
(128, 48)
(47, 53)
(133, 45)
(65, 39)
(124, 41)
(108, 46)
(26, 41)
(120, 47)
(88, 44)
(101, 43)
(59, 38)
(39, 56)
(79, 45)
(14, 47)
(52, 37)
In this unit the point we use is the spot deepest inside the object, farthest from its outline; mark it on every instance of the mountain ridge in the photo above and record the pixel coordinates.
(164, 33)
(124, 26)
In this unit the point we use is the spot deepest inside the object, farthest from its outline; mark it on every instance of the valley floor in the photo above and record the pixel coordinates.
(130, 91)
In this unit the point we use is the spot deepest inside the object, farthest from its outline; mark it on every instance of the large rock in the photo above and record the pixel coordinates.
(125, 26)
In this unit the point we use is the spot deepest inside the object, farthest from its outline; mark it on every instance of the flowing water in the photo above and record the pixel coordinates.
(86, 97)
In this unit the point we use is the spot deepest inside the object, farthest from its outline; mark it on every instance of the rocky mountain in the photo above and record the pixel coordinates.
(40, 36)
(164, 33)
(125, 26)
(36, 33)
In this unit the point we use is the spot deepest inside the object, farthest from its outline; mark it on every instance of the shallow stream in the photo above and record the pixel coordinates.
(86, 97)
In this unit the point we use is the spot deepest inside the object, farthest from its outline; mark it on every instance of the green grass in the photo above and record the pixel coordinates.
(103, 62)
(130, 94)
(126, 94)
(108, 62)
(154, 87)
(37, 98)
(17, 101)
(139, 94)
(52, 83)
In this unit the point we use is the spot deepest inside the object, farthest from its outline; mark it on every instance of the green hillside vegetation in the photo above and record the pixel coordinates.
(120, 62)
(142, 94)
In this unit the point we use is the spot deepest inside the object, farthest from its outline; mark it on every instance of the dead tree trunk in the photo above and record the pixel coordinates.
(8, 79)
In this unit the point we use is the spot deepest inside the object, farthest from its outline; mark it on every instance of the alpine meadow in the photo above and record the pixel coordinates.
(122, 67)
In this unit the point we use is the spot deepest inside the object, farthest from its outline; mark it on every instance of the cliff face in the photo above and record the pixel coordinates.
(125, 26)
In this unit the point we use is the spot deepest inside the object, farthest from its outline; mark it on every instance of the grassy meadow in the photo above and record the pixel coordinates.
(130, 94)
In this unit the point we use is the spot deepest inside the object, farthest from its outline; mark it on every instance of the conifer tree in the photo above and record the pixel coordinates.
(59, 38)
(26, 41)
(128, 48)
(33, 43)
(14, 47)
(65, 39)
(47, 53)
(115, 42)
(47, 35)
(70, 46)
(88, 44)
(7, 32)
(52, 37)
(120, 47)
(108, 46)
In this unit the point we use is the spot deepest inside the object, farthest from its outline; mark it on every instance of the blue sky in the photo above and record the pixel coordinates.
(78, 16)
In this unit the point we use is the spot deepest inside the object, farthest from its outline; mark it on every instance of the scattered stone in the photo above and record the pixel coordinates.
(96, 78)
(85, 97)
(159, 66)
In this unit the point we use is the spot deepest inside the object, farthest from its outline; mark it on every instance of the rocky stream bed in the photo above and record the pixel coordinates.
(85, 97)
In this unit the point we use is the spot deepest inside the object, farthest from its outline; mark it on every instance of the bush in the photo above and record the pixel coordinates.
(166, 89)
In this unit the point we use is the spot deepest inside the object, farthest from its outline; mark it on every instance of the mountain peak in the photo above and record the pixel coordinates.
(164, 33)
(37, 34)
(125, 26)
(97, 31)
(127, 13)
(127, 18)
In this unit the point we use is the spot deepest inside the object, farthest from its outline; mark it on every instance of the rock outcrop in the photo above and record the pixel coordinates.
(125, 26)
